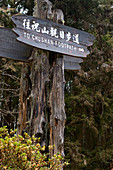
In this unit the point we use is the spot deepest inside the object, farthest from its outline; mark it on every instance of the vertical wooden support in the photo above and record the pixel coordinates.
(24, 88)
(33, 97)
(39, 77)
(58, 116)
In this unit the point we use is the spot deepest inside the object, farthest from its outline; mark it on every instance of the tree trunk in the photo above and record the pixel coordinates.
(57, 117)
(42, 110)
(24, 88)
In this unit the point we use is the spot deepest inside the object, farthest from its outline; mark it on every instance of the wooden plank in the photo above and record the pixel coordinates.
(72, 63)
(11, 48)
(72, 59)
(51, 36)
(71, 66)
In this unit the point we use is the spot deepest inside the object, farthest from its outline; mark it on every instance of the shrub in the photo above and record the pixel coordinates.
(20, 153)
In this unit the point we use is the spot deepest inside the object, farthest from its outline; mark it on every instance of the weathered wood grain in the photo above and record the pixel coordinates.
(36, 38)
(71, 66)
(24, 93)
(72, 59)
(57, 103)
(72, 63)
(11, 48)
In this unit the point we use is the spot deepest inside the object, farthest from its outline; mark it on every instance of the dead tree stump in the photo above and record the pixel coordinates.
(42, 103)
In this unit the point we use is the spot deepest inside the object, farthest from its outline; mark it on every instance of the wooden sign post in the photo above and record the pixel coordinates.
(54, 48)
(47, 73)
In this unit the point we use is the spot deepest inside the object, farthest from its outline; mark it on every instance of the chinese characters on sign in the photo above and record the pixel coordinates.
(53, 32)
(51, 36)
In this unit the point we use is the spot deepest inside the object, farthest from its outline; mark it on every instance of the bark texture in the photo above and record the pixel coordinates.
(39, 78)
(57, 117)
(24, 90)
(33, 95)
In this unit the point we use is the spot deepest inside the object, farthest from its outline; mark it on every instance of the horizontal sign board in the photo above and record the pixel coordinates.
(51, 36)
(71, 66)
(11, 48)
(72, 63)
(72, 59)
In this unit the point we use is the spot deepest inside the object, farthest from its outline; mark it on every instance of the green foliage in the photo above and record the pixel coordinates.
(89, 93)
(18, 152)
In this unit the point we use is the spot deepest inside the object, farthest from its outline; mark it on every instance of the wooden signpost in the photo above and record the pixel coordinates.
(42, 82)
(11, 48)
(51, 36)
